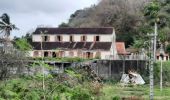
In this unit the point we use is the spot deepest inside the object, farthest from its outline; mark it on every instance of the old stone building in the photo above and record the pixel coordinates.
(74, 42)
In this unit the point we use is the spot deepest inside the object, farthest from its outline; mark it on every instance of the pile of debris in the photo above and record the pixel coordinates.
(132, 78)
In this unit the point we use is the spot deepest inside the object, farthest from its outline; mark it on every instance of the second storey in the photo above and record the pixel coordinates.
(74, 35)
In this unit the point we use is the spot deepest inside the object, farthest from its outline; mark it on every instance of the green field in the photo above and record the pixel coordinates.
(141, 92)
(111, 91)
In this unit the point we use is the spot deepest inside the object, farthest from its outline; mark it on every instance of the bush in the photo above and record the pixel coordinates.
(116, 98)
(81, 94)
(165, 73)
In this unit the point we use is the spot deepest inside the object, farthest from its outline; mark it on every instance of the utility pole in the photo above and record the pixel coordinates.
(151, 70)
(152, 61)
(155, 39)
(42, 65)
(162, 58)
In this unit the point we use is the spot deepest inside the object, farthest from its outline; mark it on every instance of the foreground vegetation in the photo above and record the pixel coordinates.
(79, 84)
(113, 91)
(28, 89)
(74, 84)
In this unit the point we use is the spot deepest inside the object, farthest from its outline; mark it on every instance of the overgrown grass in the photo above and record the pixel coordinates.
(165, 73)
(117, 92)
(77, 85)
(141, 92)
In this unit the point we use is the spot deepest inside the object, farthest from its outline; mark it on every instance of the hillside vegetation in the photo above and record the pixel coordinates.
(124, 16)
(129, 18)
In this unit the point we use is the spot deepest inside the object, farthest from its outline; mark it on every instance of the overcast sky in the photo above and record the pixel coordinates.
(28, 14)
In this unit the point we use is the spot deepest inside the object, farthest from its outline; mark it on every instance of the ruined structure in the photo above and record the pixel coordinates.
(74, 42)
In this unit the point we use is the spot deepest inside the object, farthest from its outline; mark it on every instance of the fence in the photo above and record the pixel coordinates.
(127, 57)
(115, 68)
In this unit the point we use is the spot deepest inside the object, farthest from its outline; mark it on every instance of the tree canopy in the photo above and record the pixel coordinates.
(132, 19)
(124, 16)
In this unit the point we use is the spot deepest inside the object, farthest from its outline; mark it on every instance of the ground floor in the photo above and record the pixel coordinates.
(164, 57)
(71, 53)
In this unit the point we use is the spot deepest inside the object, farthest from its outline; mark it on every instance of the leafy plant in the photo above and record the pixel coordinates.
(23, 45)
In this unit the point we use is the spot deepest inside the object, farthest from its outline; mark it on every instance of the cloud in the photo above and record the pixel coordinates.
(28, 14)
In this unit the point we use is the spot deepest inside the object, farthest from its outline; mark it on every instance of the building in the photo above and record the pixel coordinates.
(74, 42)
(164, 57)
(120, 47)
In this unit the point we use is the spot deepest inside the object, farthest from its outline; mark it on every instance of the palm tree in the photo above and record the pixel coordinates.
(6, 26)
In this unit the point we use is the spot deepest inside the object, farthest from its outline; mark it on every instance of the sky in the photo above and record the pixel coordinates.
(28, 14)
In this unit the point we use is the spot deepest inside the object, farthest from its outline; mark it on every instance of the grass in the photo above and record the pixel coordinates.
(142, 92)
(116, 90)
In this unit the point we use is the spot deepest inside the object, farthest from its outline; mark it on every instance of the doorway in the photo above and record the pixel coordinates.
(89, 55)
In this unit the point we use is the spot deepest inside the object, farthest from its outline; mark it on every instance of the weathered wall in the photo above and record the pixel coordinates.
(76, 37)
(114, 68)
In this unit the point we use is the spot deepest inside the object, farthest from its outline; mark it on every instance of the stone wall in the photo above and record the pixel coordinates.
(113, 69)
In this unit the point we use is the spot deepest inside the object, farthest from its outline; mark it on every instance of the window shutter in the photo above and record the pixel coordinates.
(56, 39)
(61, 38)
(72, 38)
(48, 38)
(57, 54)
(91, 55)
(81, 38)
(94, 38)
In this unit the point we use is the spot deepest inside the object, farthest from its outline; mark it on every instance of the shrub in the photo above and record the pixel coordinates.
(116, 98)
(95, 87)
(80, 94)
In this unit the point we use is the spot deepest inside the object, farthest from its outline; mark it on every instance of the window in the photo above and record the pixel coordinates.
(61, 53)
(46, 54)
(97, 38)
(89, 55)
(166, 57)
(59, 38)
(45, 38)
(83, 38)
(71, 38)
(54, 54)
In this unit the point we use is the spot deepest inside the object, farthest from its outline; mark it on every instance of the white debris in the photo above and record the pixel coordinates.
(133, 78)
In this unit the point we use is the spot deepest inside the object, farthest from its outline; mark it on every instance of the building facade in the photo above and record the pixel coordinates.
(74, 42)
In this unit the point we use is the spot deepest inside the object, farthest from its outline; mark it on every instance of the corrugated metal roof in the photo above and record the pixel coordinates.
(106, 30)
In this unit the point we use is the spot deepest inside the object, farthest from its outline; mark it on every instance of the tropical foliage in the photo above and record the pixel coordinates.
(74, 84)
(5, 25)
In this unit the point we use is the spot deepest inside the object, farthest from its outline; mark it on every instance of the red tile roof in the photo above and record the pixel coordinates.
(158, 54)
(120, 47)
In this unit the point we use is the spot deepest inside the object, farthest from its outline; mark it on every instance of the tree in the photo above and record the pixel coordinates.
(5, 25)
(11, 60)
(124, 15)
(158, 12)
(63, 25)
(22, 44)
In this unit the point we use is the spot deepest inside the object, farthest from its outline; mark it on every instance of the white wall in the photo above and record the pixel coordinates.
(164, 58)
(90, 38)
(104, 54)
(76, 37)
(36, 38)
(66, 53)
